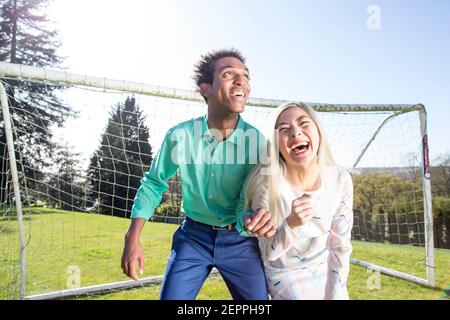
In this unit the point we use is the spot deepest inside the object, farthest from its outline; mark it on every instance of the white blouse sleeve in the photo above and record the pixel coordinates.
(338, 243)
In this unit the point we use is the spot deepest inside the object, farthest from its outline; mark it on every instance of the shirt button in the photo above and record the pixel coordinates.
(210, 197)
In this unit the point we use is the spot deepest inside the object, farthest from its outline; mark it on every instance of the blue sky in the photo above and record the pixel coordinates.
(316, 51)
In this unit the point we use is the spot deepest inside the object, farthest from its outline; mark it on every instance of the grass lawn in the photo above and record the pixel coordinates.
(92, 244)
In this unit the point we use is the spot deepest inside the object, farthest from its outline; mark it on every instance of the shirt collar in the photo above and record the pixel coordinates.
(207, 135)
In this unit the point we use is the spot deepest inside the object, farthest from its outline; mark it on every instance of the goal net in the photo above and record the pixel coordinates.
(66, 192)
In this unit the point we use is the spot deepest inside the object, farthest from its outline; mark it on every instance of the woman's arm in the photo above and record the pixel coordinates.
(338, 243)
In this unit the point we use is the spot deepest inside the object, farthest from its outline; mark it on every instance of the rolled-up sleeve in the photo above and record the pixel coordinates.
(241, 212)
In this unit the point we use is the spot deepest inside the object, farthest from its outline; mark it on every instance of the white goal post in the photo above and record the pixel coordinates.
(359, 164)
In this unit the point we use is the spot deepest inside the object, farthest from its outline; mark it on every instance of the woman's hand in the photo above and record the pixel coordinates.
(301, 211)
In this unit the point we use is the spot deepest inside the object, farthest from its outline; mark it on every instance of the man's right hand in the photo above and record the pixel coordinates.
(133, 254)
(259, 223)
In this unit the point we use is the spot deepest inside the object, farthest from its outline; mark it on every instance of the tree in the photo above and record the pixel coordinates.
(440, 176)
(172, 199)
(441, 217)
(119, 163)
(386, 200)
(65, 188)
(26, 38)
(376, 193)
(413, 166)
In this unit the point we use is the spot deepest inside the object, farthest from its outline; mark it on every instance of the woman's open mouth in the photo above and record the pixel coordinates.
(300, 149)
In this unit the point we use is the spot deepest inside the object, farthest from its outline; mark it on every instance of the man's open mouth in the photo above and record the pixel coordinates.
(239, 93)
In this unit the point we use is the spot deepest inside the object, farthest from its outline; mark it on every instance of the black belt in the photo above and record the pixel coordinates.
(229, 227)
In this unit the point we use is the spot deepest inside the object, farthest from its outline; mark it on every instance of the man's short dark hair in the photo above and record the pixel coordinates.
(204, 69)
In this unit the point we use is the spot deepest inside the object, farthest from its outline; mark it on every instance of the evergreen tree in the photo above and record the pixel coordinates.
(119, 163)
(65, 188)
(26, 38)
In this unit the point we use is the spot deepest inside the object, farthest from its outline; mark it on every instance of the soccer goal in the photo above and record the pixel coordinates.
(66, 191)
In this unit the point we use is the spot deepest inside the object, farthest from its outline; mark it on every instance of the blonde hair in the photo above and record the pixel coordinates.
(267, 175)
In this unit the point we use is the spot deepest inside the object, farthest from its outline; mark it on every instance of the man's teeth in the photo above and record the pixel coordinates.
(238, 94)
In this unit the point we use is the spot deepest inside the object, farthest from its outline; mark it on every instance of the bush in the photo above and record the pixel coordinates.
(441, 207)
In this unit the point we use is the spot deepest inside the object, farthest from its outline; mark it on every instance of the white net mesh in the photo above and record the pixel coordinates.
(77, 196)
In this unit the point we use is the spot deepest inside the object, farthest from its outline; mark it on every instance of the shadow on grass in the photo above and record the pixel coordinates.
(32, 211)
(14, 218)
(6, 230)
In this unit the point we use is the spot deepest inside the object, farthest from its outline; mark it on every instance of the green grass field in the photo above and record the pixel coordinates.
(93, 243)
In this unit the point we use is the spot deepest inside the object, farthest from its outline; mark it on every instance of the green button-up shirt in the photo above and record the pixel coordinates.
(212, 173)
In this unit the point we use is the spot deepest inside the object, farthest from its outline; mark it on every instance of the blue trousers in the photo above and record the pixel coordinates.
(197, 248)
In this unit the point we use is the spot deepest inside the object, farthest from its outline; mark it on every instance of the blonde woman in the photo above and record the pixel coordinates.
(302, 210)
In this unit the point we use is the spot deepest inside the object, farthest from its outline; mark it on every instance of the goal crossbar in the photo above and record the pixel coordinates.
(58, 76)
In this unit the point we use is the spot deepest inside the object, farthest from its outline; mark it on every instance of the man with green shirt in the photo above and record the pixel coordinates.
(214, 155)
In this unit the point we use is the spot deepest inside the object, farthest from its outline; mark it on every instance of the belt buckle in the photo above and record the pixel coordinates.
(228, 228)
